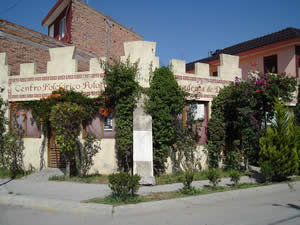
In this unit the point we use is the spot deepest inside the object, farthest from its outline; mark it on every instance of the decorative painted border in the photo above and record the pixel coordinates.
(59, 77)
(218, 81)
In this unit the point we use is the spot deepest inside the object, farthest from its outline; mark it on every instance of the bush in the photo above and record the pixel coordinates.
(267, 170)
(13, 151)
(214, 177)
(188, 179)
(232, 161)
(123, 185)
(89, 150)
(235, 177)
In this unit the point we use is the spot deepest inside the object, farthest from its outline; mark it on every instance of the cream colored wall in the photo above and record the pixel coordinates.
(105, 161)
(286, 61)
(200, 156)
(32, 153)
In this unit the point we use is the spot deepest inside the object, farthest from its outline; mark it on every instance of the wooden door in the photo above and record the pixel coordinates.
(55, 159)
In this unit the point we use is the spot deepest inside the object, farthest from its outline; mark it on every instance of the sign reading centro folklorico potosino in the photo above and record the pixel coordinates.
(38, 86)
(35, 87)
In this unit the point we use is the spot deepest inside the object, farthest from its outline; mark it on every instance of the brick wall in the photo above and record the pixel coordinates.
(23, 45)
(89, 31)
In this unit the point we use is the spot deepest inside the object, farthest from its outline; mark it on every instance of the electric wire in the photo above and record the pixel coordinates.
(11, 7)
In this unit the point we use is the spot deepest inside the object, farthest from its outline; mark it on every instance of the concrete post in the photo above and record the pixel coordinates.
(144, 53)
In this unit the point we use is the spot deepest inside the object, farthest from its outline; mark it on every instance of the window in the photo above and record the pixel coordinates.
(215, 74)
(51, 31)
(297, 60)
(108, 123)
(270, 64)
(24, 120)
(102, 127)
(200, 114)
(62, 28)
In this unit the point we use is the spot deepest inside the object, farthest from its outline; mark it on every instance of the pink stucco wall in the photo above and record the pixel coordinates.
(286, 61)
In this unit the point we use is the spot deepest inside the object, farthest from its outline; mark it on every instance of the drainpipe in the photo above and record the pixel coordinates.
(109, 24)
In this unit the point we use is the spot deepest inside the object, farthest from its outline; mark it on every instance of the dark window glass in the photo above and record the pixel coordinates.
(270, 64)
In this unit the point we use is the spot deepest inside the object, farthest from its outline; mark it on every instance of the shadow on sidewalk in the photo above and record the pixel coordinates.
(6, 182)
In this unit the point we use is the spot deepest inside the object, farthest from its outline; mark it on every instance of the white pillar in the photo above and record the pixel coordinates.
(144, 53)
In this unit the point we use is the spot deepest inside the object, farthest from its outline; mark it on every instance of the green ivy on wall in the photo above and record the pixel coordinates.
(122, 89)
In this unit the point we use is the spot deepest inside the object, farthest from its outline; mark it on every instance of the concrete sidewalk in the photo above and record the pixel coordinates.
(79, 191)
(67, 196)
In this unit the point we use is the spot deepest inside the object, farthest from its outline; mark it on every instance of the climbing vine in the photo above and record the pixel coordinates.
(41, 108)
(123, 90)
(65, 119)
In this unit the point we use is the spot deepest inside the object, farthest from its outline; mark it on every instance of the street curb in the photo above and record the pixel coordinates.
(204, 200)
(53, 205)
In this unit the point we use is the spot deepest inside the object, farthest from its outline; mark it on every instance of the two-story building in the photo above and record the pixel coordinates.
(277, 52)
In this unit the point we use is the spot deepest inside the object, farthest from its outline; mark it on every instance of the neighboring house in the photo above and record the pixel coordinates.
(277, 52)
(70, 23)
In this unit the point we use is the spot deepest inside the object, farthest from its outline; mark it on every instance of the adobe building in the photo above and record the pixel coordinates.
(32, 65)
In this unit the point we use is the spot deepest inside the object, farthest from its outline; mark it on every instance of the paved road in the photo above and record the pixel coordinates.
(270, 205)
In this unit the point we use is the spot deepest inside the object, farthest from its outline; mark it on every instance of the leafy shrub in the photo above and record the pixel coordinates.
(214, 177)
(188, 179)
(89, 150)
(279, 146)
(235, 177)
(267, 170)
(13, 151)
(232, 161)
(123, 185)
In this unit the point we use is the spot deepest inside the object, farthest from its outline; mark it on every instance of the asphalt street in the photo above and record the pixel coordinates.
(271, 205)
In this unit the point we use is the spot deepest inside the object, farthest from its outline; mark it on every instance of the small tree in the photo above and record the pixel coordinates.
(166, 101)
(279, 146)
(65, 119)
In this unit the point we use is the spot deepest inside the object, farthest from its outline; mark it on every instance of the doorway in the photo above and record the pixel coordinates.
(55, 158)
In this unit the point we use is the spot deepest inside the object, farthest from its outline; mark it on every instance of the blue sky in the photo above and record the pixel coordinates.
(184, 30)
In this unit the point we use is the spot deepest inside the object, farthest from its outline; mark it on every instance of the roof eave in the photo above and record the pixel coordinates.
(55, 12)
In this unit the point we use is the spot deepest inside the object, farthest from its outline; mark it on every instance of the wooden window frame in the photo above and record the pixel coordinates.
(25, 124)
(84, 132)
(269, 57)
(62, 28)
